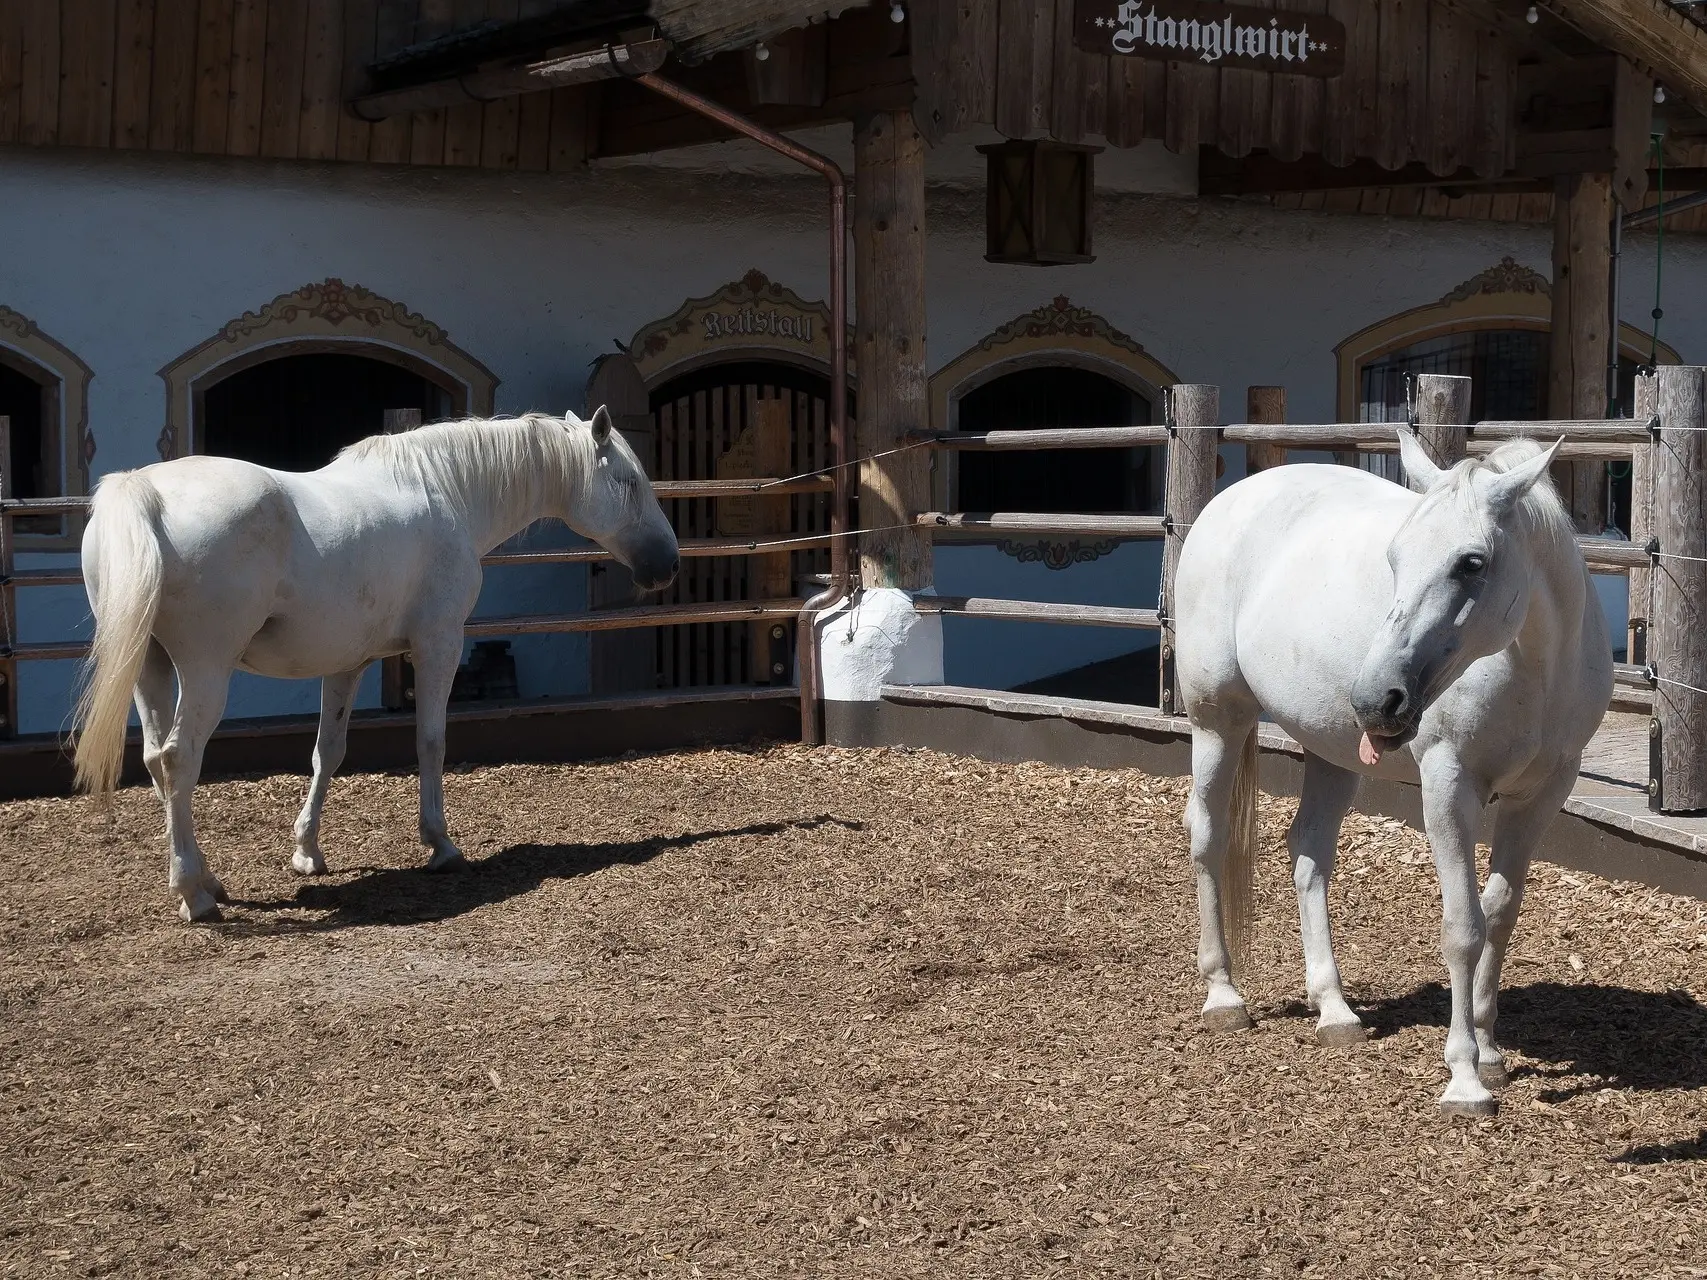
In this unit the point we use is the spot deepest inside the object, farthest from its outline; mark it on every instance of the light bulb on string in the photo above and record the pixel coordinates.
(1533, 16)
(1659, 94)
(897, 13)
(761, 51)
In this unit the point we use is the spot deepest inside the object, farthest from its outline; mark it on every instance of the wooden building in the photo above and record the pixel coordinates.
(256, 226)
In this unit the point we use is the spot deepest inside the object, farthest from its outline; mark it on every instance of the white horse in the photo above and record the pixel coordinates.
(1451, 638)
(201, 565)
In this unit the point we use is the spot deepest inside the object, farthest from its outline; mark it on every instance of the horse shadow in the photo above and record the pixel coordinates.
(1591, 1036)
(400, 896)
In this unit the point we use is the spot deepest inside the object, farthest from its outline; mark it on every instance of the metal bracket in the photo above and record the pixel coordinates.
(1656, 765)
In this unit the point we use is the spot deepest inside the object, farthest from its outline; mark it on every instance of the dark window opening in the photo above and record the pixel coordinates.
(1094, 481)
(24, 401)
(295, 413)
(1509, 369)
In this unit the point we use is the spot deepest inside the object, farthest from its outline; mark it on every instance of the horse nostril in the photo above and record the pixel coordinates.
(1393, 703)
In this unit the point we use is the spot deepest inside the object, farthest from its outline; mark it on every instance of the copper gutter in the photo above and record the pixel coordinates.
(806, 647)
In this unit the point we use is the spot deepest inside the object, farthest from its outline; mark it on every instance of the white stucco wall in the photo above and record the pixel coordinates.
(132, 260)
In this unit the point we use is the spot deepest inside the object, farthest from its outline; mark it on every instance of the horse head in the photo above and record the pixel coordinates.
(1462, 566)
(616, 507)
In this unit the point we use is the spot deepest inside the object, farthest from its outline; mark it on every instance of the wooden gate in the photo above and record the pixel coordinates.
(728, 421)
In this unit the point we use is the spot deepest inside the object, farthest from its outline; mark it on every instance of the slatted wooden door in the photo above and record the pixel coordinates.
(723, 422)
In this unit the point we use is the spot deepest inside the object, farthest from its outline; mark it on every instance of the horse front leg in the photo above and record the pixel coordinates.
(1451, 808)
(337, 693)
(435, 669)
(178, 767)
(1517, 831)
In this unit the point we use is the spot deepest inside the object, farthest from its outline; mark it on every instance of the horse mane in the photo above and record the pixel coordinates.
(1542, 510)
(493, 465)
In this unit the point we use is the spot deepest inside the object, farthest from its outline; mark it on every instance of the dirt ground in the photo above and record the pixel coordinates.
(805, 1013)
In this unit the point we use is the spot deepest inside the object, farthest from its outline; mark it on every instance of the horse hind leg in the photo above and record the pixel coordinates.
(1210, 819)
(201, 702)
(1313, 839)
(153, 699)
(337, 693)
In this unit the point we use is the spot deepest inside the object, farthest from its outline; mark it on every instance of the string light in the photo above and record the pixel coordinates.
(897, 13)
(1533, 16)
(761, 51)
(1659, 93)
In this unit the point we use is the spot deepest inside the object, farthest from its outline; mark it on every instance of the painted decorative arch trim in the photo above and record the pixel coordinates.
(1055, 333)
(328, 317)
(753, 318)
(1508, 295)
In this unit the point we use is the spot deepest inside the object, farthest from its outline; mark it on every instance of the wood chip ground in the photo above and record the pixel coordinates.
(806, 1013)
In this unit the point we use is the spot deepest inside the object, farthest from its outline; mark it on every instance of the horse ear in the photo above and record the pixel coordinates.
(1418, 465)
(1506, 488)
(601, 424)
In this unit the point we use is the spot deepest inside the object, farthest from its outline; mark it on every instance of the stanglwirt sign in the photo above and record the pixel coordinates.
(1216, 35)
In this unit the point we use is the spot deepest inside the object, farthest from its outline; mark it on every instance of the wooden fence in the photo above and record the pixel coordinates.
(1665, 559)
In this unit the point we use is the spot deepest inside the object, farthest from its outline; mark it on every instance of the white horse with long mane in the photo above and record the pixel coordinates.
(202, 565)
(1451, 638)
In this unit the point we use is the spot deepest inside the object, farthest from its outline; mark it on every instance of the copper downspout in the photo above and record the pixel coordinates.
(806, 647)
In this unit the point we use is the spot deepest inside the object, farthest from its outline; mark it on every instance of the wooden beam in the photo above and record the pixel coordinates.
(1583, 209)
(1192, 456)
(1651, 34)
(889, 298)
(1264, 405)
(1677, 638)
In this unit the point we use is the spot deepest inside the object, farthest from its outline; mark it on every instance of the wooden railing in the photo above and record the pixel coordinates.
(1665, 559)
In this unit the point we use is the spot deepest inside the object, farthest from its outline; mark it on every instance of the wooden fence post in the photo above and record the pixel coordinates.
(1641, 525)
(1265, 405)
(1443, 411)
(1677, 640)
(396, 691)
(8, 595)
(889, 300)
(1194, 440)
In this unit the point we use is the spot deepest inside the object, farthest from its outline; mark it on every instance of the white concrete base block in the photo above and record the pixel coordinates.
(876, 639)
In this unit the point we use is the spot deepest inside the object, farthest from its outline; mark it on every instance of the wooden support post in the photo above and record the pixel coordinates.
(396, 687)
(1641, 525)
(1583, 209)
(889, 302)
(1193, 447)
(1677, 640)
(1265, 405)
(1443, 410)
(8, 595)
(763, 450)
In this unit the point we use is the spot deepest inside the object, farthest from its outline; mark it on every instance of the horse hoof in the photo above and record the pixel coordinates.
(1493, 1075)
(218, 890)
(447, 862)
(1340, 1035)
(1475, 1108)
(1227, 1017)
(199, 908)
(304, 865)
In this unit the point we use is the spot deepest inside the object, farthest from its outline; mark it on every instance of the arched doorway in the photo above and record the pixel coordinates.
(295, 412)
(729, 420)
(44, 396)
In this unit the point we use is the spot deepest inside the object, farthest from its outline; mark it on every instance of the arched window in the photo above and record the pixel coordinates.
(1494, 328)
(44, 397)
(312, 370)
(1057, 366)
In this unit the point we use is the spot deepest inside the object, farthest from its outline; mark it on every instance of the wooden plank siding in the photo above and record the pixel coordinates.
(1420, 86)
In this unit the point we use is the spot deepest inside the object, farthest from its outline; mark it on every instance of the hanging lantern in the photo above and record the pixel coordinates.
(1039, 202)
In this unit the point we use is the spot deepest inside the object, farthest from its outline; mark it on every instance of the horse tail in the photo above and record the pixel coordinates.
(121, 552)
(1238, 882)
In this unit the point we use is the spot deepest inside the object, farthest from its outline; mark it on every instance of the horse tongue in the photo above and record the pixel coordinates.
(1367, 751)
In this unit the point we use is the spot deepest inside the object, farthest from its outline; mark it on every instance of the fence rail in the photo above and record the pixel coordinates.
(1669, 656)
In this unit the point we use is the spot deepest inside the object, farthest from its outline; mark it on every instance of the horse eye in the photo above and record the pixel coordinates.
(1471, 565)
